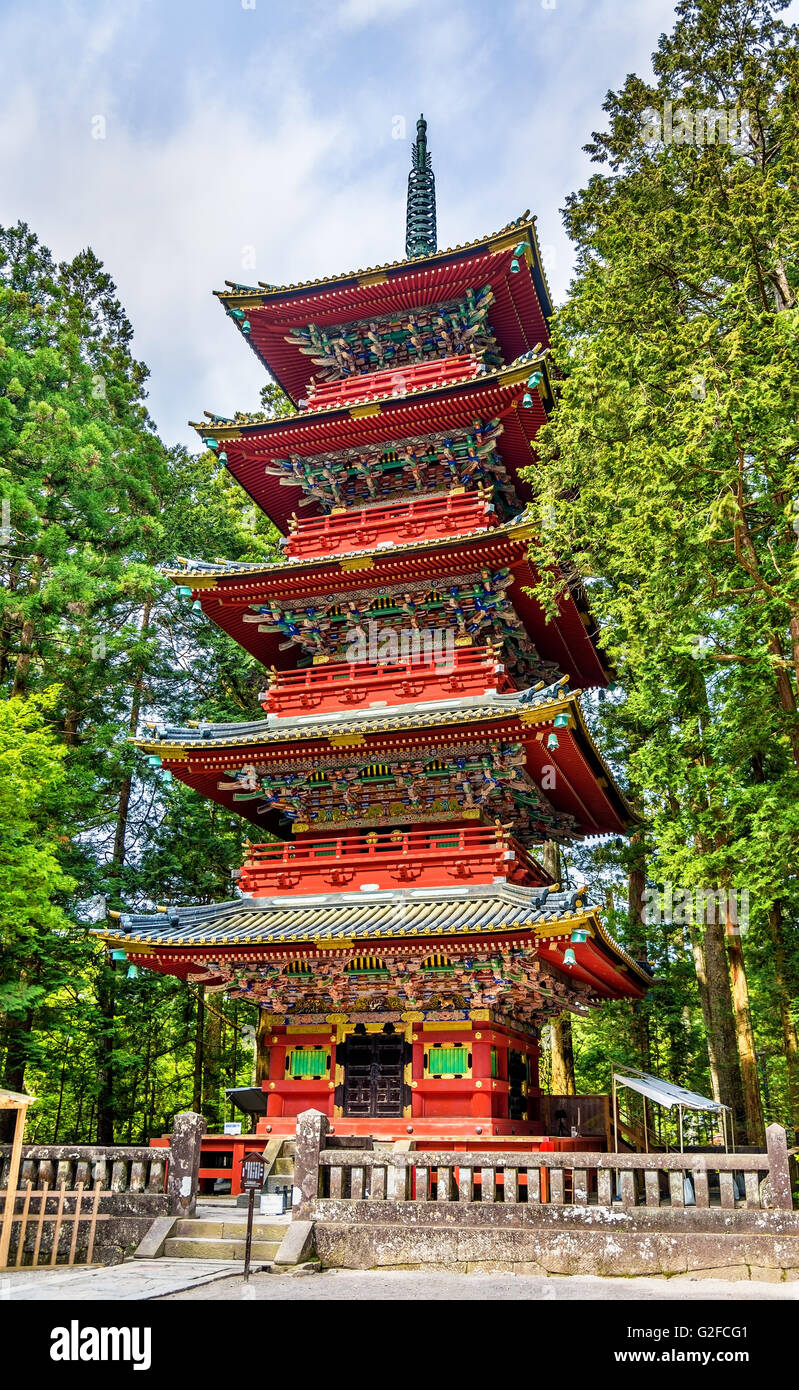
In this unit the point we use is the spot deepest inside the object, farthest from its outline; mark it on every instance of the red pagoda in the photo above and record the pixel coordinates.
(420, 736)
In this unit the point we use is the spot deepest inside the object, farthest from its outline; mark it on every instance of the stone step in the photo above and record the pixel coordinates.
(183, 1247)
(202, 1229)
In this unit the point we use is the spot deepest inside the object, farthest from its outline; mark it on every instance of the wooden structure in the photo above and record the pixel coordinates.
(18, 1103)
(47, 1207)
(53, 1196)
(421, 738)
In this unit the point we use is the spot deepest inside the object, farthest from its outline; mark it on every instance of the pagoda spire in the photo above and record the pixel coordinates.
(420, 231)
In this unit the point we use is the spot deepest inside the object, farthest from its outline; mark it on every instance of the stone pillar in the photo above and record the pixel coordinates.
(778, 1168)
(184, 1163)
(312, 1127)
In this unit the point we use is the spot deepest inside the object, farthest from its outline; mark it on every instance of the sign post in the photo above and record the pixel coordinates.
(253, 1170)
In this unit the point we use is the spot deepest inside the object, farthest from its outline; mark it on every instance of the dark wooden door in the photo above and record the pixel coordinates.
(373, 1074)
(517, 1075)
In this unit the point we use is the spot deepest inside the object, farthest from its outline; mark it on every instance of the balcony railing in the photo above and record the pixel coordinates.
(342, 685)
(394, 381)
(428, 858)
(368, 528)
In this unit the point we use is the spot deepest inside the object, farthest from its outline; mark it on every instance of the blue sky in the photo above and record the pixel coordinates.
(264, 130)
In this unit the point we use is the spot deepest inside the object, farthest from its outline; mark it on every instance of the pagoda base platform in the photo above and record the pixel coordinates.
(443, 1131)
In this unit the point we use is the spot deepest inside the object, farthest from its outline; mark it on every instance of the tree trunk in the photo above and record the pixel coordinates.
(721, 1028)
(212, 1071)
(784, 993)
(744, 1032)
(700, 966)
(22, 669)
(563, 1081)
(638, 946)
(261, 1070)
(197, 1093)
(105, 1045)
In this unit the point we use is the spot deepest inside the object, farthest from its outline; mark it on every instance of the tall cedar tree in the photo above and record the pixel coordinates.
(669, 477)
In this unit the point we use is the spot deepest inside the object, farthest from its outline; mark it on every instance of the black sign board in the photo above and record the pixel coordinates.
(253, 1170)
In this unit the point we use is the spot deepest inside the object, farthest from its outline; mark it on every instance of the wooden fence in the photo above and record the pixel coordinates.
(655, 1180)
(63, 1193)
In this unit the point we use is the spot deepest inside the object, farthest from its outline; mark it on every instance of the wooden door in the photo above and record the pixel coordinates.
(373, 1074)
(517, 1075)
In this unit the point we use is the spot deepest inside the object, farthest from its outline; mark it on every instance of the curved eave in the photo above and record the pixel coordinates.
(252, 444)
(226, 591)
(294, 433)
(349, 926)
(519, 316)
(584, 786)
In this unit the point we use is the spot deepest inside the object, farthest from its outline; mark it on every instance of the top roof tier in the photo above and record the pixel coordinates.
(289, 326)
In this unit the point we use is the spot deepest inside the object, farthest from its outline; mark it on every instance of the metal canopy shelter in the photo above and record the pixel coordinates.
(665, 1093)
(250, 1099)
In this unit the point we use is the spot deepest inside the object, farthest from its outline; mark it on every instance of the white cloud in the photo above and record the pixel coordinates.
(272, 128)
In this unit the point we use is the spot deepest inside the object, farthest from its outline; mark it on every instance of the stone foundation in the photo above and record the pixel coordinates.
(707, 1244)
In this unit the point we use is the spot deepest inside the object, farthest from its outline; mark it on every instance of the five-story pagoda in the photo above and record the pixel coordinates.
(420, 735)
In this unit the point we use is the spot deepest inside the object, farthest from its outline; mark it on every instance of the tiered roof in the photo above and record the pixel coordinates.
(379, 414)
(509, 261)
(417, 379)
(519, 743)
(508, 941)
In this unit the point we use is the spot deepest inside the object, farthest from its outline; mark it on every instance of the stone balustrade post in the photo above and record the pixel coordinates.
(184, 1163)
(312, 1128)
(779, 1168)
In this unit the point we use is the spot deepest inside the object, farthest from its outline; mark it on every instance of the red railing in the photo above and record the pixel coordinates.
(363, 528)
(429, 858)
(340, 685)
(392, 381)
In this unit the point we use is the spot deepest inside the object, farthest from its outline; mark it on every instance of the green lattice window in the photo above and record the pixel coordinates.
(305, 1063)
(448, 1061)
(494, 1063)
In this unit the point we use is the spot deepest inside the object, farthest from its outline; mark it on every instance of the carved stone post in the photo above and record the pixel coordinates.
(778, 1168)
(184, 1164)
(312, 1127)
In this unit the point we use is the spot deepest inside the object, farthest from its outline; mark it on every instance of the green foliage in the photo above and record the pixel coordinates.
(33, 885)
(92, 639)
(668, 475)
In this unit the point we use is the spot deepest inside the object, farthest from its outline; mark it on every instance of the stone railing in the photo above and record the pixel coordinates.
(116, 1168)
(726, 1182)
(123, 1187)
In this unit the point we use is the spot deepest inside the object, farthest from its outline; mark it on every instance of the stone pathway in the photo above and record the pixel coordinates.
(423, 1286)
(135, 1281)
(143, 1280)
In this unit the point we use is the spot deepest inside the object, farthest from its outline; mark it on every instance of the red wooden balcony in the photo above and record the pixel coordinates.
(340, 685)
(425, 858)
(367, 528)
(392, 381)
